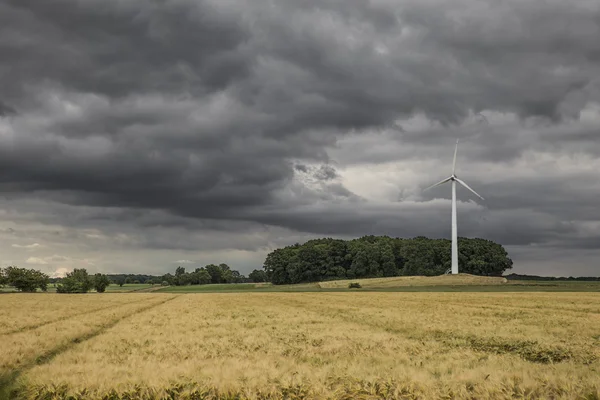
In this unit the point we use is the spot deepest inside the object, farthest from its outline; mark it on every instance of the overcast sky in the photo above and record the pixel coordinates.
(139, 135)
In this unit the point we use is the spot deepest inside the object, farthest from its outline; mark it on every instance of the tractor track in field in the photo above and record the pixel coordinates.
(8, 389)
(503, 307)
(529, 350)
(64, 318)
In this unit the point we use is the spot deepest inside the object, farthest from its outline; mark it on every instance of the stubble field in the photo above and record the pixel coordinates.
(300, 345)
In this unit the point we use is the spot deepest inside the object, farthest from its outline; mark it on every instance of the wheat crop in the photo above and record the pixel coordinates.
(35, 342)
(21, 312)
(335, 345)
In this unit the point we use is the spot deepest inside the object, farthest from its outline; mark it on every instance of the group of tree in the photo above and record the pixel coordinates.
(24, 280)
(381, 256)
(122, 279)
(79, 281)
(211, 273)
(518, 277)
(208, 274)
(258, 275)
(313, 261)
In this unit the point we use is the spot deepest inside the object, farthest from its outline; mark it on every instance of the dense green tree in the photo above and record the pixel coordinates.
(25, 280)
(258, 276)
(101, 282)
(280, 264)
(205, 277)
(77, 281)
(202, 276)
(375, 256)
(236, 276)
(119, 279)
(388, 261)
(226, 276)
(211, 273)
(520, 277)
(182, 280)
(226, 273)
(169, 278)
(215, 273)
(3, 279)
(181, 277)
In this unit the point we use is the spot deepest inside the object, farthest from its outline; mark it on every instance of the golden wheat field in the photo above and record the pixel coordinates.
(301, 345)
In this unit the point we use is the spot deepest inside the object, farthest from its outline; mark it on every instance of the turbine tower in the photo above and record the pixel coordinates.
(453, 178)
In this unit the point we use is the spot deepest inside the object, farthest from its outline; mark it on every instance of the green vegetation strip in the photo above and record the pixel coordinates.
(311, 287)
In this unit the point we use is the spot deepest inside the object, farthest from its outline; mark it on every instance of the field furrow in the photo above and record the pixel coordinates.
(534, 336)
(20, 312)
(22, 350)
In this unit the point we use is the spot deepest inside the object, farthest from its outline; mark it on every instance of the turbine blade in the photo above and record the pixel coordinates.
(438, 184)
(468, 187)
(454, 162)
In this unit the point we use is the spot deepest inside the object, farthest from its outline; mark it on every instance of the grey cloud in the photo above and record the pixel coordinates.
(326, 172)
(216, 120)
(301, 168)
(6, 110)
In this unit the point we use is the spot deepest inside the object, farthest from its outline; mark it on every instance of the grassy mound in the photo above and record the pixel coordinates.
(441, 280)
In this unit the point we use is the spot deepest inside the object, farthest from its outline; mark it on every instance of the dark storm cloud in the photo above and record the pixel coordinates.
(228, 111)
(116, 48)
(6, 110)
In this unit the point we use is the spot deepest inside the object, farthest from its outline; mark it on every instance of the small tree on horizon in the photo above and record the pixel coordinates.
(77, 281)
(101, 282)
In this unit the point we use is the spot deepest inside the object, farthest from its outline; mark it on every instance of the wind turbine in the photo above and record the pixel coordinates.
(453, 178)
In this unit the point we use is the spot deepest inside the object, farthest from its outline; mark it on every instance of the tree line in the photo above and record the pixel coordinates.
(210, 274)
(519, 277)
(381, 256)
(30, 280)
(80, 281)
(314, 261)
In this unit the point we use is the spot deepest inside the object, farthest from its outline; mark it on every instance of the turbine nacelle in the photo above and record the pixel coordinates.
(454, 178)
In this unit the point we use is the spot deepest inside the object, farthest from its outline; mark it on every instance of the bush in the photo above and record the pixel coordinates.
(165, 283)
(354, 285)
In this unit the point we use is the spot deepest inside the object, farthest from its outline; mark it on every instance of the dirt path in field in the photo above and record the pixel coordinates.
(8, 380)
(148, 290)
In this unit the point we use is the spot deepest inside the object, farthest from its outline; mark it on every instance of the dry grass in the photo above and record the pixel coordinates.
(336, 345)
(449, 280)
